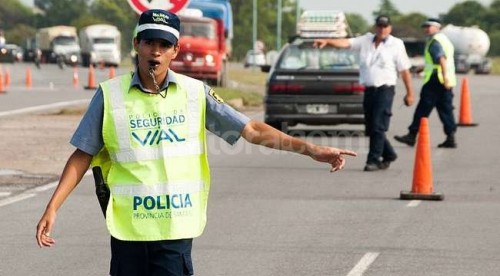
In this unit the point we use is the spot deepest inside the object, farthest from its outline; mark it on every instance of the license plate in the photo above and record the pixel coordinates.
(317, 108)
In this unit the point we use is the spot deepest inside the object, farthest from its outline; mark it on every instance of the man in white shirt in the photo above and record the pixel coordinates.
(382, 57)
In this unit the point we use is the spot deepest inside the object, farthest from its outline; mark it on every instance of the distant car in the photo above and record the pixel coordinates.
(254, 58)
(11, 53)
(313, 86)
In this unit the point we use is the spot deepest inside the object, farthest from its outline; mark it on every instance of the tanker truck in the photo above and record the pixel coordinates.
(471, 46)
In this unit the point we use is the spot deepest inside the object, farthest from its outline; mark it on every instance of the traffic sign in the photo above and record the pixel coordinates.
(174, 6)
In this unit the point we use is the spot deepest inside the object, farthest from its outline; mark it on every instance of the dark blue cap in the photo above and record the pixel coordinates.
(431, 22)
(159, 24)
(383, 20)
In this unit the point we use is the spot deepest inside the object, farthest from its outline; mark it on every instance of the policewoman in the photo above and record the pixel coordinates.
(437, 91)
(147, 131)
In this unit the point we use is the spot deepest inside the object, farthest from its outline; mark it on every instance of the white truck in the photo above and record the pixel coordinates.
(59, 42)
(471, 47)
(100, 44)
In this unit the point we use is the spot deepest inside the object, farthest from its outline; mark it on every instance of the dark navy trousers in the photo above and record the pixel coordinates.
(434, 94)
(151, 258)
(377, 105)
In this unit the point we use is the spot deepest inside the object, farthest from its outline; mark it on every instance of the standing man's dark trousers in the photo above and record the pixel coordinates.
(377, 106)
(434, 94)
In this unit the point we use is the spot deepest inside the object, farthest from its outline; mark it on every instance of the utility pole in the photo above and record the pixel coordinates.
(254, 29)
(278, 26)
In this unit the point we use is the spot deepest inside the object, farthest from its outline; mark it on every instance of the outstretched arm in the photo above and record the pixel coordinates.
(260, 133)
(78, 163)
(335, 42)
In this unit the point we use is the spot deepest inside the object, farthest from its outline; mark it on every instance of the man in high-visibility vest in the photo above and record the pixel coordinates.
(439, 80)
(146, 130)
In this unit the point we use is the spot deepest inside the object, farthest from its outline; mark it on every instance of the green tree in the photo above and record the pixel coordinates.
(61, 12)
(16, 20)
(386, 8)
(266, 24)
(408, 25)
(460, 14)
(495, 43)
(118, 13)
(357, 23)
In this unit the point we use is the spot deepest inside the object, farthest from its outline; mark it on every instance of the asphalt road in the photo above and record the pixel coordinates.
(275, 213)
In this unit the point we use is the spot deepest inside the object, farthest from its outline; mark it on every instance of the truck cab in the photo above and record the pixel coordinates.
(100, 44)
(205, 41)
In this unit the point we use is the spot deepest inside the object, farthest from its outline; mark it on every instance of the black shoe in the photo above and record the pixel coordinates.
(386, 163)
(408, 139)
(448, 144)
(370, 167)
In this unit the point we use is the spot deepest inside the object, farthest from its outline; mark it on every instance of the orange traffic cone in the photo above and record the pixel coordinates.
(75, 77)
(29, 80)
(7, 77)
(465, 118)
(91, 78)
(2, 86)
(112, 72)
(422, 170)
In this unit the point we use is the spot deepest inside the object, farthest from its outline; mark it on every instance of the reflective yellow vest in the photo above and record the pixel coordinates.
(154, 160)
(450, 63)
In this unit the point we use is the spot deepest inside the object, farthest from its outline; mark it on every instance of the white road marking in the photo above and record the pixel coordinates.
(363, 264)
(15, 199)
(413, 203)
(46, 186)
(42, 107)
(32, 192)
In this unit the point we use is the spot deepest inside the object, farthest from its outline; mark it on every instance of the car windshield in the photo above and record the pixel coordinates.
(198, 29)
(304, 56)
(104, 40)
(64, 40)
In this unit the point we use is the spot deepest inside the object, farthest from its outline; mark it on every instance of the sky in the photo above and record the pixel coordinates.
(431, 8)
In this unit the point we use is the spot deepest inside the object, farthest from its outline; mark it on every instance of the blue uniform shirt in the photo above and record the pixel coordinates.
(221, 119)
(436, 51)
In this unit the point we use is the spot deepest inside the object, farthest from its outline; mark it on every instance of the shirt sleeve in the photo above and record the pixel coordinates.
(88, 135)
(221, 119)
(357, 42)
(436, 51)
(402, 59)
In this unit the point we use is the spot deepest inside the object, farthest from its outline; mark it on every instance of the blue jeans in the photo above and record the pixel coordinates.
(434, 94)
(377, 104)
(151, 258)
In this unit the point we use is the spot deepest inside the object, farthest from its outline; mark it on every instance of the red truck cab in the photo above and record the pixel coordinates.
(202, 52)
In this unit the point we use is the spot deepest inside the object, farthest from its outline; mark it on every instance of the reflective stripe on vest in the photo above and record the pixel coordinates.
(158, 174)
(450, 62)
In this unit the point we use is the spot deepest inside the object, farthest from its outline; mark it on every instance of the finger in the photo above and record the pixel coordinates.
(338, 164)
(39, 232)
(348, 152)
(48, 241)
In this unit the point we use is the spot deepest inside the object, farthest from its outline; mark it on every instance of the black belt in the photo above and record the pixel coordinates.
(378, 87)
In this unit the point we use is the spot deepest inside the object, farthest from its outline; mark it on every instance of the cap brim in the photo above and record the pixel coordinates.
(158, 34)
(430, 23)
